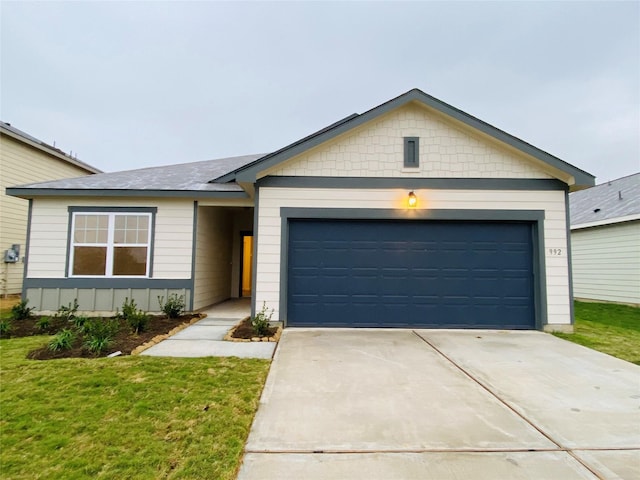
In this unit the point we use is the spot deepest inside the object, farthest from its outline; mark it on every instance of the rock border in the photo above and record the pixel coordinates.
(158, 338)
(229, 338)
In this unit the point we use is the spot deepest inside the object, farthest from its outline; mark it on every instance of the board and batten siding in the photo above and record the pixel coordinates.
(606, 262)
(213, 256)
(48, 250)
(21, 164)
(268, 274)
(446, 150)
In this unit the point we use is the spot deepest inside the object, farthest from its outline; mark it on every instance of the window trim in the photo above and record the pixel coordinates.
(411, 161)
(111, 212)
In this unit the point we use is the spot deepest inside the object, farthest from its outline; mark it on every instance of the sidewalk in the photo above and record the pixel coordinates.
(204, 338)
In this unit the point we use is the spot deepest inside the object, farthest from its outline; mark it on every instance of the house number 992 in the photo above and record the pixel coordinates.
(555, 252)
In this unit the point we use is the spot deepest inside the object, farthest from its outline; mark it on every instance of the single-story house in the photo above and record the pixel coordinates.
(412, 214)
(25, 159)
(605, 241)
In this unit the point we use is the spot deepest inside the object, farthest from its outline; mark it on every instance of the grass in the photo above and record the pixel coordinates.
(608, 328)
(129, 417)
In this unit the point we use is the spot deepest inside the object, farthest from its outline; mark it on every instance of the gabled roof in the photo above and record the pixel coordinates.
(185, 179)
(11, 131)
(249, 173)
(611, 202)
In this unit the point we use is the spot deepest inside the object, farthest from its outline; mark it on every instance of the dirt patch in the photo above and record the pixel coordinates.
(124, 341)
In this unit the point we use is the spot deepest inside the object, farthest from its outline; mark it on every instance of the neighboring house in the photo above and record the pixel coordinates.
(23, 159)
(605, 241)
(412, 214)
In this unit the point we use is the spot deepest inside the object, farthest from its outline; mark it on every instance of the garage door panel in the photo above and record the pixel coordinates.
(410, 273)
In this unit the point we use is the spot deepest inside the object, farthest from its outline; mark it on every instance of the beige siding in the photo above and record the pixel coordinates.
(173, 235)
(606, 262)
(446, 150)
(552, 202)
(213, 256)
(21, 164)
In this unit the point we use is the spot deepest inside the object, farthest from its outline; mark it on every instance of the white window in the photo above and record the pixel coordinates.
(110, 244)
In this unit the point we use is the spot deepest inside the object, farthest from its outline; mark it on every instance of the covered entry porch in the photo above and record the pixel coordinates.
(223, 254)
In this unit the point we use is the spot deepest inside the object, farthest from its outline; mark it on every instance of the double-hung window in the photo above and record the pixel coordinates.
(110, 244)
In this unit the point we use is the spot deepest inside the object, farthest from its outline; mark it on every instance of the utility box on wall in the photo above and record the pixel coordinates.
(12, 255)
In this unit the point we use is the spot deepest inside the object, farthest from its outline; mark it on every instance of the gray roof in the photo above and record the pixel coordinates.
(10, 130)
(606, 203)
(184, 177)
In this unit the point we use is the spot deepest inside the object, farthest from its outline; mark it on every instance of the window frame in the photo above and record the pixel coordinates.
(110, 245)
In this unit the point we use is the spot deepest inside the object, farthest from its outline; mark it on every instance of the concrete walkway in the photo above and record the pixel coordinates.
(204, 338)
(443, 405)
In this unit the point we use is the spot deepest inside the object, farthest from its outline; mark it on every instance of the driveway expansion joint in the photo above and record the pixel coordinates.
(506, 404)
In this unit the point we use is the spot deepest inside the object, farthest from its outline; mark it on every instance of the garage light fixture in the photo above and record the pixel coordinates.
(413, 200)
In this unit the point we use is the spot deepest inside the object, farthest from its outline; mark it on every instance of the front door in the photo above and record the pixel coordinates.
(246, 265)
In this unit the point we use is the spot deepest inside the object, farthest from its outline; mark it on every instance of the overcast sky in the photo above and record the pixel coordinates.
(133, 84)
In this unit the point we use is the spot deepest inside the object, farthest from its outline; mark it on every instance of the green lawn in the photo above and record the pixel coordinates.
(127, 417)
(608, 328)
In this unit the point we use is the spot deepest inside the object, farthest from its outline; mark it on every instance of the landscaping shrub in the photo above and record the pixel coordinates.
(68, 312)
(138, 321)
(5, 327)
(63, 340)
(99, 333)
(174, 306)
(261, 321)
(43, 323)
(79, 322)
(20, 311)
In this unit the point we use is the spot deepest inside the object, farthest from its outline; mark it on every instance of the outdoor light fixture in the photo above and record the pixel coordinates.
(413, 200)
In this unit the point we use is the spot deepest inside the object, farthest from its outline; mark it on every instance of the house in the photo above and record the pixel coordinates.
(412, 214)
(605, 241)
(23, 159)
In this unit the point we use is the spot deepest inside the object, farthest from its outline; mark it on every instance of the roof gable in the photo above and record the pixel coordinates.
(23, 137)
(250, 172)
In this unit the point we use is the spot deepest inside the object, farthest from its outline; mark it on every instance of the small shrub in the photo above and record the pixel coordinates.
(43, 323)
(63, 340)
(68, 312)
(260, 322)
(138, 321)
(174, 306)
(79, 322)
(128, 308)
(99, 334)
(20, 311)
(5, 327)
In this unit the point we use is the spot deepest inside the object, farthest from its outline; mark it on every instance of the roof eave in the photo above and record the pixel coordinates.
(28, 193)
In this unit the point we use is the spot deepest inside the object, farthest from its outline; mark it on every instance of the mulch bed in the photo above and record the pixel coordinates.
(125, 340)
(245, 330)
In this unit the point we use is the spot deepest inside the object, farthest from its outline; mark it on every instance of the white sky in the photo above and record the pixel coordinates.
(133, 84)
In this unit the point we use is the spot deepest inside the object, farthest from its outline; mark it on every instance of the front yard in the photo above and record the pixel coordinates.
(608, 328)
(126, 417)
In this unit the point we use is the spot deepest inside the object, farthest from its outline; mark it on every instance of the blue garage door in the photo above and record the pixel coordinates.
(426, 274)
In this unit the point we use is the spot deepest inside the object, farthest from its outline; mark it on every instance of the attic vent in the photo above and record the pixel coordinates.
(411, 152)
(619, 194)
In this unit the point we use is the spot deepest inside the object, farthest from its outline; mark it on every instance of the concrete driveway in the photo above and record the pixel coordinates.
(425, 404)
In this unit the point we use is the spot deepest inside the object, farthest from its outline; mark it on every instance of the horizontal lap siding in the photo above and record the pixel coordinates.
(21, 164)
(272, 199)
(606, 262)
(50, 223)
(213, 257)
